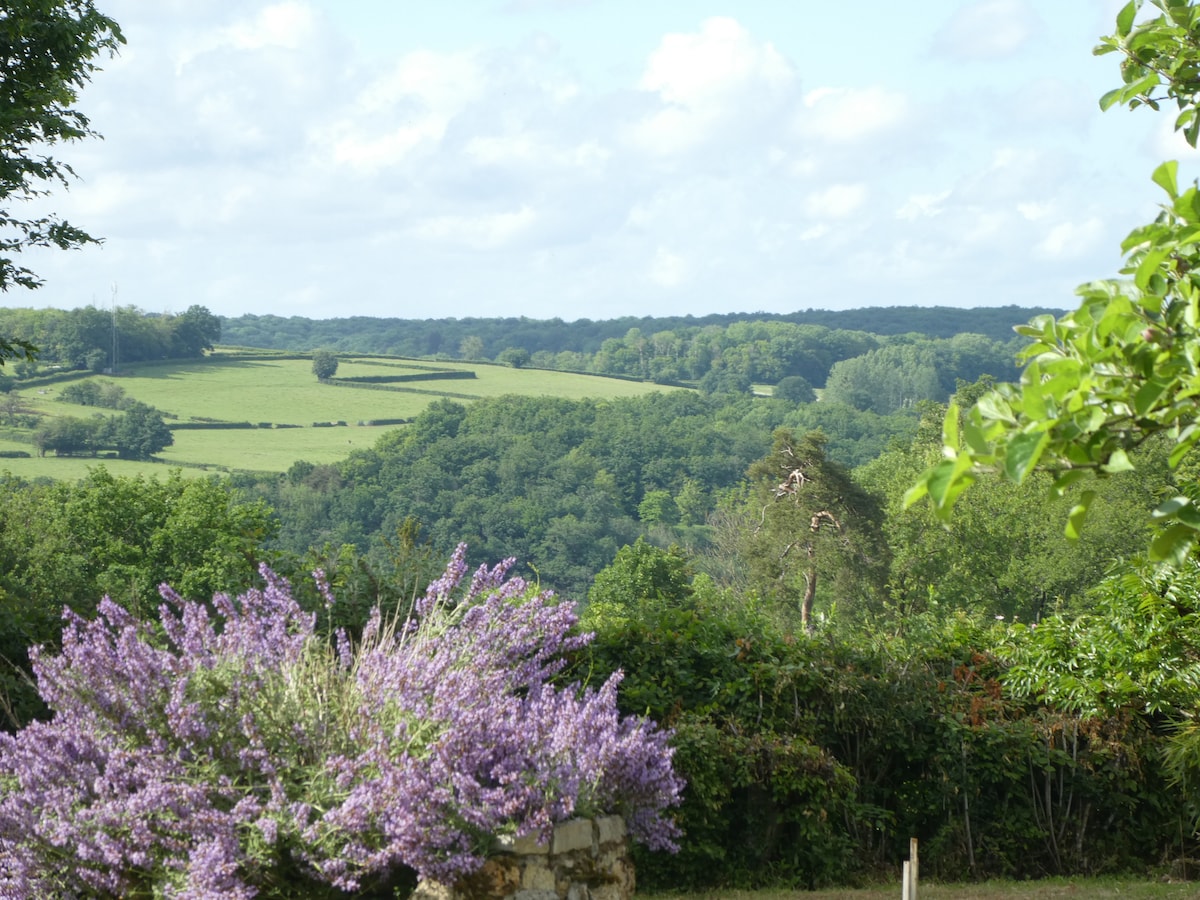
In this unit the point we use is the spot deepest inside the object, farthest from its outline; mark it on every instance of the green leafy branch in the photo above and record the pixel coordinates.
(1124, 366)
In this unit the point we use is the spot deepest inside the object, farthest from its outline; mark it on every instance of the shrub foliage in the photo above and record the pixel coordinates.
(238, 753)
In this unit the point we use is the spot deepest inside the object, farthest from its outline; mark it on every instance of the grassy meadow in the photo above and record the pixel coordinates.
(283, 392)
(1046, 889)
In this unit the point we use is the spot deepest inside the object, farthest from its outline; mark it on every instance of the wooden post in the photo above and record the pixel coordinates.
(909, 872)
(914, 867)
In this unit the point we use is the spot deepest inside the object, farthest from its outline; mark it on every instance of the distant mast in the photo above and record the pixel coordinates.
(113, 370)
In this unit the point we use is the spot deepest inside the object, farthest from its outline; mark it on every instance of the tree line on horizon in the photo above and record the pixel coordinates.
(429, 337)
(94, 339)
(873, 371)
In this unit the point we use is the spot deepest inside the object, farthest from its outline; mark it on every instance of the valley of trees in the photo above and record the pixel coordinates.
(842, 667)
(842, 670)
(878, 362)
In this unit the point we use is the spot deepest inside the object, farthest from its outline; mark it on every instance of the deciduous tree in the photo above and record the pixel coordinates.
(48, 51)
(1122, 367)
(324, 364)
(140, 432)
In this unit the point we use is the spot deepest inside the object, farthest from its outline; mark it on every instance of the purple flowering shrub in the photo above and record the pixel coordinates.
(238, 754)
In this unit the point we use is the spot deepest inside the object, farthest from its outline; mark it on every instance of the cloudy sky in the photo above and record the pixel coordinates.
(601, 158)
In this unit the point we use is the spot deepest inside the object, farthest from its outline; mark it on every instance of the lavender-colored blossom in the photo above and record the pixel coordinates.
(190, 762)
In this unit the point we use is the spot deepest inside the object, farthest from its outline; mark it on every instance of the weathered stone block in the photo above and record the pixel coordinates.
(529, 845)
(433, 890)
(610, 830)
(584, 860)
(607, 892)
(535, 895)
(574, 835)
(499, 877)
(535, 877)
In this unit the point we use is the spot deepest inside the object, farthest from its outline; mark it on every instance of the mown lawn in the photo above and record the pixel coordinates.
(1047, 889)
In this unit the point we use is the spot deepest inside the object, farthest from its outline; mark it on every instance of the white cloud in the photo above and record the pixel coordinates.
(288, 24)
(987, 29)
(1034, 211)
(714, 67)
(668, 269)
(488, 231)
(409, 105)
(443, 82)
(922, 206)
(372, 152)
(983, 227)
(1167, 143)
(305, 151)
(1069, 240)
(535, 151)
(706, 81)
(838, 201)
(851, 114)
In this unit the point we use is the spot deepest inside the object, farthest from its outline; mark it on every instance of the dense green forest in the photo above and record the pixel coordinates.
(718, 353)
(842, 671)
(487, 338)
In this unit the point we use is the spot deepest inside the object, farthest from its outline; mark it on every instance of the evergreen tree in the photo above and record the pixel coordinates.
(805, 523)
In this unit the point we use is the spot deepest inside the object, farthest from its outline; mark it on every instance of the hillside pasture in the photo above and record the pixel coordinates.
(284, 392)
(269, 449)
(1047, 889)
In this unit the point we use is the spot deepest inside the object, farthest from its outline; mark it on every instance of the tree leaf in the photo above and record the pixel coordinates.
(1125, 18)
(993, 406)
(1023, 452)
(1148, 395)
(1149, 266)
(1077, 514)
(1111, 98)
(1183, 444)
(1168, 508)
(1172, 545)
(950, 427)
(1165, 177)
(1066, 479)
(1118, 461)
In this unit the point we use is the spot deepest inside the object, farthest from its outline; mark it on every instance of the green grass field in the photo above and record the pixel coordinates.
(1048, 889)
(285, 392)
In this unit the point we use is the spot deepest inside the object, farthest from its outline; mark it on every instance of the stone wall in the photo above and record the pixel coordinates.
(585, 859)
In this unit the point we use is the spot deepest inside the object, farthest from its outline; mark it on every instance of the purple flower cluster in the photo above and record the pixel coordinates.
(209, 756)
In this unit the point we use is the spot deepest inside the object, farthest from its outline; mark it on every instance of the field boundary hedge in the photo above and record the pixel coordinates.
(439, 375)
(402, 390)
(209, 426)
(376, 361)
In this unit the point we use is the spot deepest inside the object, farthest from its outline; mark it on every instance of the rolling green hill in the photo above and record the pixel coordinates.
(291, 414)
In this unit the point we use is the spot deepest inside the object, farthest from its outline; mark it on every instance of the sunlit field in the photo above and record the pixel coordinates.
(284, 392)
(1049, 889)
